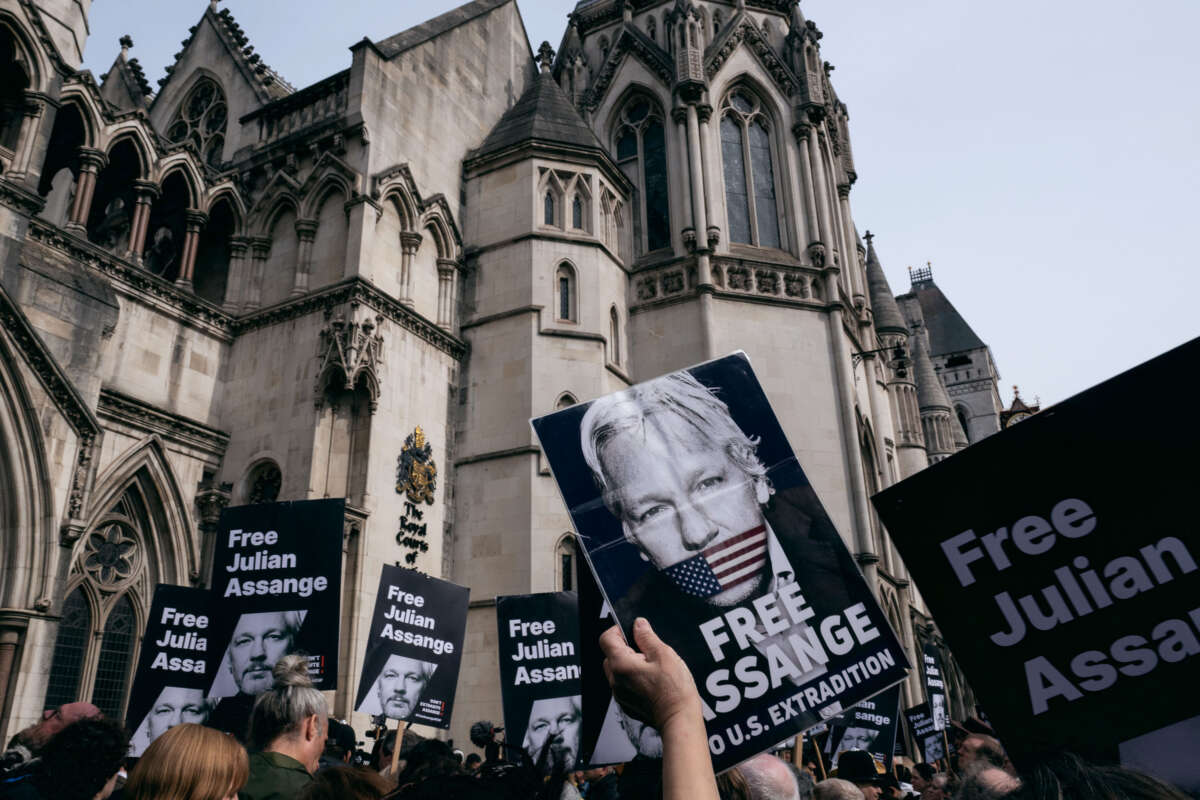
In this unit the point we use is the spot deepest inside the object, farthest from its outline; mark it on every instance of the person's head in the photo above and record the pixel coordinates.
(472, 762)
(731, 785)
(346, 783)
(1066, 775)
(595, 773)
(54, 720)
(556, 720)
(836, 789)
(977, 751)
(937, 788)
(768, 778)
(859, 768)
(258, 642)
(290, 718)
(856, 738)
(922, 774)
(174, 706)
(645, 739)
(340, 741)
(189, 762)
(82, 760)
(683, 479)
(401, 684)
(987, 783)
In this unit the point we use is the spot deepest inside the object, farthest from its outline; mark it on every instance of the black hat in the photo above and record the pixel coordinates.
(342, 736)
(857, 766)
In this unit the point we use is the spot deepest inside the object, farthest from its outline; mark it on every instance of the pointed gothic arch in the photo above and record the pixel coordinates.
(184, 165)
(227, 192)
(27, 55)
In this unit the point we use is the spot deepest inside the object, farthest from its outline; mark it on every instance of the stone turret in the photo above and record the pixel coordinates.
(937, 415)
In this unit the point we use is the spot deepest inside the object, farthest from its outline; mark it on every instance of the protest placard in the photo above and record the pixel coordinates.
(928, 738)
(414, 649)
(174, 670)
(539, 673)
(277, 586)
(935, 685)
(1058, 559)
(870, 725)
(694, 513)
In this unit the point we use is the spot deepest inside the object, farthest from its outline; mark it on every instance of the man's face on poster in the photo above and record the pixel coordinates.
(259, 640)
(857, 738)
(176, 705)
(401, 685)
(555, 719)
(681, 494)
(644, 738)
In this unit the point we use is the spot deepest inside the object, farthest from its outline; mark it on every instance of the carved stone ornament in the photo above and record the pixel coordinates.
(111, 555)
(416, 472)
(816, 254)
(350, 351)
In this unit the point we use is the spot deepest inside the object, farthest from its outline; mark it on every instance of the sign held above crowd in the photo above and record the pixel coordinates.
(1058, 559)
(694, 513)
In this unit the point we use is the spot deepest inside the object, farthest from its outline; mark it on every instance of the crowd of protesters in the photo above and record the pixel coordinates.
(293, 751)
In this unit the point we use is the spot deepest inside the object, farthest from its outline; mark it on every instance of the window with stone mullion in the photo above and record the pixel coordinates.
(753, 215)
(641, 149)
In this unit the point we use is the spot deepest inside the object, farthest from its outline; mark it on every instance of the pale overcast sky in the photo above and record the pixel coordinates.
(1042, 155)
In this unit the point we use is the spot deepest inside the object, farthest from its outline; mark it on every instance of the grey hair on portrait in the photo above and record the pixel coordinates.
(282, 709)
(679, 394)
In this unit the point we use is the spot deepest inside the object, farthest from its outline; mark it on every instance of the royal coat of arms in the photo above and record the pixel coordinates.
(416, 474)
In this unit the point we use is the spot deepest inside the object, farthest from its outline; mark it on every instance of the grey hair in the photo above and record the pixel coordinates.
(769, 778)
(836, 789)
(282, 709)
(678, 393)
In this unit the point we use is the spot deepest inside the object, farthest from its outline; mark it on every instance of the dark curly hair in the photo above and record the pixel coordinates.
(81, 758)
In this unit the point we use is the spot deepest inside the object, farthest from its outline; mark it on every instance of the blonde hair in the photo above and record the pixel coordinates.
(282, 709)
(189, 762)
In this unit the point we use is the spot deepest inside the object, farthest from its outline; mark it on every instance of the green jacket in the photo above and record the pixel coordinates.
(274, 776)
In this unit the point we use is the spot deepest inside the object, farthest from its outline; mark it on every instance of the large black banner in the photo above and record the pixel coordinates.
(871, 725)
(1059, 559)
(929, 739)
(175, 667)
(277, 586)
(539, 671)
(695, 514)
(933, 676)
(410, 670)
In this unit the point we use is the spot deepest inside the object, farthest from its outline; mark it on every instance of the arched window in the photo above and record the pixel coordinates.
(263, 483)
(70, 649)
(566, 563)
(577, 212)
(564, 287)
(116, 655)
(963, 416)
(614, 336)
(14, 81)
(749, 171)
(641, 147)
(565, 400)
(200, 121)
(548, 209)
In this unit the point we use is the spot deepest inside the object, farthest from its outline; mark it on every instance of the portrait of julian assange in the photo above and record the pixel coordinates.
(258, 641)
(554, 721)
(174, 705)
(714, 513)
(397, 691)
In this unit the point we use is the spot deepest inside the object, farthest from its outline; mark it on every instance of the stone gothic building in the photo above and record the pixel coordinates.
(231, 290)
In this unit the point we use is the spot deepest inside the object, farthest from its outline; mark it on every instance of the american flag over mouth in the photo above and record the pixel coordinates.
(722, 566)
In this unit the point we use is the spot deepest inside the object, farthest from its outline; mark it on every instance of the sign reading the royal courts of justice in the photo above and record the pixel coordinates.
(694, 513)
(1059, 559)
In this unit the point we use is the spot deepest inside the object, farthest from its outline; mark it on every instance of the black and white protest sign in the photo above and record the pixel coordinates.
(929, 739)
(539, 672)
(277, 585)
(175, 667)
(1059, 560)
(932, 673)
(410, 670)
(870, 725)
(608, 735)
(695, 514)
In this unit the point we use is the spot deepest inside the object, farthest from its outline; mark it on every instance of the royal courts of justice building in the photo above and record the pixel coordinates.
(226, 289)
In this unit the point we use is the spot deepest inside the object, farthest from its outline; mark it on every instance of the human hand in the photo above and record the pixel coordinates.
(653, 686)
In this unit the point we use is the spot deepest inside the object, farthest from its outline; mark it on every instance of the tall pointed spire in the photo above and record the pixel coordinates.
(887, 314)
(931, 394)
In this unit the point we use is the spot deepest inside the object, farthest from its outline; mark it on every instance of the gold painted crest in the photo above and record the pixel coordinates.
(416, 473)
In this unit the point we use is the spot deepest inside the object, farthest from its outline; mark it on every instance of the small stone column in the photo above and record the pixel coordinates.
(306, 232)
(145, 193)
(20, 170)
(447, 268)
(211, 498)
(410, 243)
(260, 249)
(238, 284)
(802, 130)
(679, 115)
(191, 243)
(91, 161)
